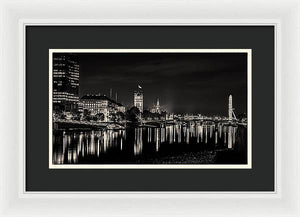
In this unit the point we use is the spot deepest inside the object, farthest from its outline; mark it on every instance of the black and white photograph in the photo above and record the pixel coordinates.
(150, 108)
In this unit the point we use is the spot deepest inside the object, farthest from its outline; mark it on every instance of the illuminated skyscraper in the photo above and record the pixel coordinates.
(138, 100)
(65, 82)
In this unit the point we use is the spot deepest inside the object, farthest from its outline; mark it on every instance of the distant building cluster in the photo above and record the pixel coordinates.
(138, 101)
(66, 96)
(66, 93)
(66, 90)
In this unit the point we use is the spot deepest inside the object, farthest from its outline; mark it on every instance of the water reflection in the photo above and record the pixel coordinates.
(73, 147)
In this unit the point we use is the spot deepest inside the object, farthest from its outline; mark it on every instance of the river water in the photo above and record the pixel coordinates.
(181, 143)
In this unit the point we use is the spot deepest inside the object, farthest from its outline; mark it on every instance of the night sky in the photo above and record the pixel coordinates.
(184, 83)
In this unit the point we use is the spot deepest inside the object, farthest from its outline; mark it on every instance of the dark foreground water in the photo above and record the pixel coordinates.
(182, 143)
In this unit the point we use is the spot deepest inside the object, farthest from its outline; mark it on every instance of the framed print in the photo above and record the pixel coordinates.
(183, 113)
(182, 108)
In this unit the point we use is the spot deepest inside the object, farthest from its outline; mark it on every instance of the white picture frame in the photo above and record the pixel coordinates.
(15, 15)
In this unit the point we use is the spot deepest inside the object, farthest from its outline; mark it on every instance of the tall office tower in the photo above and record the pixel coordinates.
(65, 82)
(138, 100)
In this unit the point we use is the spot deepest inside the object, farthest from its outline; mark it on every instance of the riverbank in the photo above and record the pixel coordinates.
(205, 157)
(86, 125)
(223, 156)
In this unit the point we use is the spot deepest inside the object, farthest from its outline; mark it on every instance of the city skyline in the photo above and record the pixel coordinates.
(184, 83)
(149, 108)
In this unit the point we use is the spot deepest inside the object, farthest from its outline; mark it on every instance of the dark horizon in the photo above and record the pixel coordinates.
(183, 82)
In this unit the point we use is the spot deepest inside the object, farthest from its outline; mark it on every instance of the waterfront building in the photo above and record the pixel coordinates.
(138, 100)
(65, 82)
(100, 104)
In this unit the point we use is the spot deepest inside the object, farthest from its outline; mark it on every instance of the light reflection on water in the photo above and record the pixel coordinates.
(71, 146)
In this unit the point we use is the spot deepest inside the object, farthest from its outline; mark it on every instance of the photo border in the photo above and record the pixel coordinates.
(156, 166)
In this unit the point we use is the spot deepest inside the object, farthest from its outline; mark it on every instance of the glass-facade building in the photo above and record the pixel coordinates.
(65, 82)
